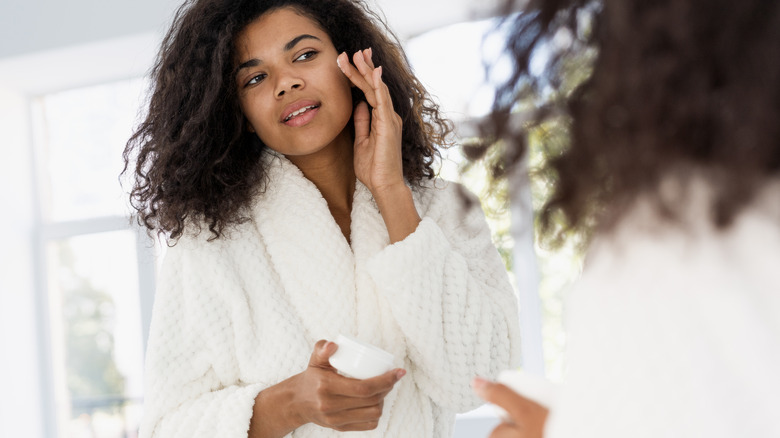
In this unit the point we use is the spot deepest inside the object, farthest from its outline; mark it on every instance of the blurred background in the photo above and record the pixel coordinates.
(77, 277)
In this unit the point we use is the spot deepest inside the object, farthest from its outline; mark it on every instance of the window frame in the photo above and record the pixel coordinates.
(46, 232)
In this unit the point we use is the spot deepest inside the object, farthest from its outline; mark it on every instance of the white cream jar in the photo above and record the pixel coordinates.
(360, 360)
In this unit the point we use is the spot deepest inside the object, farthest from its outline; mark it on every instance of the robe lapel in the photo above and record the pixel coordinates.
(369, 237)
(375, 324)
(308, 251)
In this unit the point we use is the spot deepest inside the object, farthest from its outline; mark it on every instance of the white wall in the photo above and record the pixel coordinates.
(28, 26)
(19, 365)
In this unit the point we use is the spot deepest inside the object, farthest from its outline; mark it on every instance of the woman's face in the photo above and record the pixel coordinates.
(290, 88)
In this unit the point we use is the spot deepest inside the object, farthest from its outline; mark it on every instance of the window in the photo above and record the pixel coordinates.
(97, 270)
(450, 62)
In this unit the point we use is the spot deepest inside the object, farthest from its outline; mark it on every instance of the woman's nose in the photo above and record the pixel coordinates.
(287, 84)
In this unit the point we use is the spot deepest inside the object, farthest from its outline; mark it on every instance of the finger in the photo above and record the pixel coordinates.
(362, 120)
(366, 388)
(353, 427)
(356, 78)
(496, 393)
(351, 418)
(383, 383)
(338, 403)
(367, 71)
(517, 406)
(368, 55)
(368, 74)
(351, 72)
(382, 96)
(507, 430)
(323, 350)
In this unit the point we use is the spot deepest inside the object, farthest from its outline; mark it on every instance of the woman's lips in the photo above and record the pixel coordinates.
(296, 107)
(303, 118)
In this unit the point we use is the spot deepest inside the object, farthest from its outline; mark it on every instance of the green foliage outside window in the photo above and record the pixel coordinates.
(93, 378)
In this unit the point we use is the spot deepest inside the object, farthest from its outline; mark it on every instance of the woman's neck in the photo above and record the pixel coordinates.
(332, 171)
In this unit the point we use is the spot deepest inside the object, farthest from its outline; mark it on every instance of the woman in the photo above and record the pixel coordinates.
(297, 192)
(674, 167)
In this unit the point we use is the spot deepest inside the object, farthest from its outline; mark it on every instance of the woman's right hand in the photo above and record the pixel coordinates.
(324, 397)
(321, 396)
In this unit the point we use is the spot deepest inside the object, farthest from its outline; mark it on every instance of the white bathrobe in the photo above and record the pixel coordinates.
(674, 329)
(241, 313)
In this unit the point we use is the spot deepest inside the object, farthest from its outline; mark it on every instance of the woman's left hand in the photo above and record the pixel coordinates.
(378, 162)
(527, 418)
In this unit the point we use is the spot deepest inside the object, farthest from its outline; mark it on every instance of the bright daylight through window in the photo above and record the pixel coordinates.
(89, 260)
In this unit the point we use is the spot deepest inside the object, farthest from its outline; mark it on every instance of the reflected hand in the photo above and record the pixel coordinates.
(527, 418)
(378, 163)
(324, 397)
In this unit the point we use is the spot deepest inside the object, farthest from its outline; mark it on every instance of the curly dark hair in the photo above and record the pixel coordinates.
(195, 163)
(676, 86)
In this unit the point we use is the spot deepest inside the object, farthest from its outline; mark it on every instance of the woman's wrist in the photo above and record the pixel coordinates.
(396, 205)
(274, 414)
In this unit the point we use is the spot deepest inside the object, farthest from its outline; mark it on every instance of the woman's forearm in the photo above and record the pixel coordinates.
(273, 415)
(398, 211)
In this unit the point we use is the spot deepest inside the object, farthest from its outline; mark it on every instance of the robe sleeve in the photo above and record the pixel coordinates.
(192, 386)
(450, 293)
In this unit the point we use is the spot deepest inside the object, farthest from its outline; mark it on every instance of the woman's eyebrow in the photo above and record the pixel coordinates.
(287, 47)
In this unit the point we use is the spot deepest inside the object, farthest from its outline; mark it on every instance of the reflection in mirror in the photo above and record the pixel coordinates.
(96, 334)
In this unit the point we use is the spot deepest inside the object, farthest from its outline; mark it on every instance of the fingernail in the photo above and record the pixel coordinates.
(399, 374)
(370, 52)
(478, 383)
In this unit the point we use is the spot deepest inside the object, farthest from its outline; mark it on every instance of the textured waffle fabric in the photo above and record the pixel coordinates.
(241, 313)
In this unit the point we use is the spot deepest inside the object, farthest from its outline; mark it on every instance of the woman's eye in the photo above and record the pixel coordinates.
(257, 79)
(308, 55)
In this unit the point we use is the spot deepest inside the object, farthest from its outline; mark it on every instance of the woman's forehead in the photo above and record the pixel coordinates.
(275, 30)
(283, 22)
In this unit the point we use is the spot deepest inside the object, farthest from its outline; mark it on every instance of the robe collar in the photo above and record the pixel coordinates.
(315, 263)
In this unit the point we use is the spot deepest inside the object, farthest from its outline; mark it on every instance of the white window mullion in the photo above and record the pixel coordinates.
(147, 279)
(526, 269)
(45, 344)
(64, 230)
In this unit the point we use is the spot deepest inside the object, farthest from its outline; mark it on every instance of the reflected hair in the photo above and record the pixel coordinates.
(194, 161)
(673, 87)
